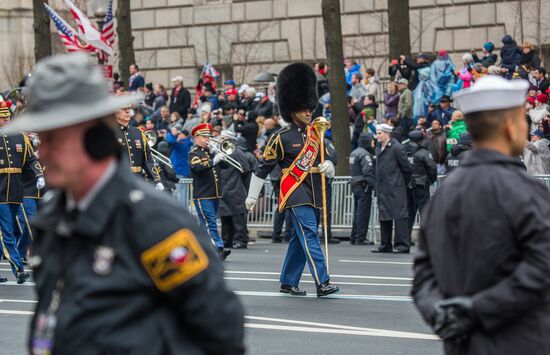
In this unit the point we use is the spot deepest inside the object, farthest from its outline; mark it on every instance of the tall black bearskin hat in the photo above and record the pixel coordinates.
(296, 90)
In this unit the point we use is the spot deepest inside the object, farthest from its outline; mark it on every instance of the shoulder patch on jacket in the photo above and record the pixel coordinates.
(174, 260)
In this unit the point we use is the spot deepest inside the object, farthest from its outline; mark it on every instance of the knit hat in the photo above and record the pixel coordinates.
(489, 46)
(384, 128)
(531, 100)
(542, 98)
(538, 133)
(507, 39)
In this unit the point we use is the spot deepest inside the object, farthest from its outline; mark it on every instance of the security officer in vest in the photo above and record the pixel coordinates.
(31, 196)
(207, 189)
(119, 267)
(424, 174)
(459, 152)
(295, 148)
(481, 273)
(16, 157)
(135, 145)
(363, 177)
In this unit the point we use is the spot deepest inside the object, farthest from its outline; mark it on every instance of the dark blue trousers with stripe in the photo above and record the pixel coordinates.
(304, 247)
(8, 223)
(207, 211)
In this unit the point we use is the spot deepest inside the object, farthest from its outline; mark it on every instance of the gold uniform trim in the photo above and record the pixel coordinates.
(10, 171)
(168, 273)
(136, 169)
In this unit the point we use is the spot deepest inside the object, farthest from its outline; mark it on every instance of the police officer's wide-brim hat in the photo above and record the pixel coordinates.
(66, 90)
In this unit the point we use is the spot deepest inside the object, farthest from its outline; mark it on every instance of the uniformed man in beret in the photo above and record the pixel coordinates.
(136, 147)
(119, 267)
(482, 271)
(295, 149)
(207, 188)
(16, 157)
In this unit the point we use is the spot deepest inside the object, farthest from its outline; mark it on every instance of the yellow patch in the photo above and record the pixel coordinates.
(175, 260)
(196, 160)
(270, 153)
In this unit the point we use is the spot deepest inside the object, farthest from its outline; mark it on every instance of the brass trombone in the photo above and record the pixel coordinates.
(152, 138)
(226, 147)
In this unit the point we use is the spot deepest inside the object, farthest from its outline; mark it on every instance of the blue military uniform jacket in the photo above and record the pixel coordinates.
(135, 144)
(205, 175)
(16, 158)
(282, 149)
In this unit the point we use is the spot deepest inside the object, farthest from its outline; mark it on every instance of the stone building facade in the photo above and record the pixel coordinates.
(243, 37)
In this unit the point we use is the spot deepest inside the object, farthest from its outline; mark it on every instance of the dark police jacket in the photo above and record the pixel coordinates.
(16, 157)
(362, 168)
(486, 234)
(205, 175)
(140, 276)
(424, 169)
(393, 174)
(235, 185)
(135, 145)
(458, 153)
(282, 149)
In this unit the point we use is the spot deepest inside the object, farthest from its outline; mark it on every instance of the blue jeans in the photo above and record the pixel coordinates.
(304, 247)
(26, 212)
(207, 211)
(8, 222)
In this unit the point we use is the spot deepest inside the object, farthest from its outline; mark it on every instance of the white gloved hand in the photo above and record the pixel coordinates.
(327, 168)
(215, 150)
(40, 183)
(159, 186)
(218, 158)
(256, 185)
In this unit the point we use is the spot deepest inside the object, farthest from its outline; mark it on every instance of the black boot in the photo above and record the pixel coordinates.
(326, 288)
(22, 276)
(3, 279)
(223, 253)
(292, 290)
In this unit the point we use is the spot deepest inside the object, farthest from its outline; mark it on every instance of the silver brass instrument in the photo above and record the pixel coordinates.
(152, 138)
(226, 147)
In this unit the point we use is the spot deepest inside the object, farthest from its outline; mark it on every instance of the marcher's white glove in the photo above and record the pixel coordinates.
(215, 150)
(218, 158)
(327, 168)
(159, 186)
(256, 185)
(40, 183)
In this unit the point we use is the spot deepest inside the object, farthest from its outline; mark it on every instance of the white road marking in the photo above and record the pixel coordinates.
(10, 270)
(19, 313)
(13, 283)
(17, 301)
(341, 276)
(333, 296)
(311, 282)
(376, 262)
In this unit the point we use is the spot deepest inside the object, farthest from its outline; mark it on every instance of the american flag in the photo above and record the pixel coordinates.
(68, 36)
(88, 30)
(208, 69)
(108, 31)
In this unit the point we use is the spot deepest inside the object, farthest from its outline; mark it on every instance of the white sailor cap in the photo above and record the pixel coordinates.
(384, 128)
(492, 92)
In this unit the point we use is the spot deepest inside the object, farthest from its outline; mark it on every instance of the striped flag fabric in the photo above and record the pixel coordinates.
(209, 69)
(108, 31)
(68, 35)
(88, 30)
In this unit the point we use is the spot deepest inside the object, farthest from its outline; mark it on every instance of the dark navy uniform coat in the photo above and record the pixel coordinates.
(135, 146)
(205, 175)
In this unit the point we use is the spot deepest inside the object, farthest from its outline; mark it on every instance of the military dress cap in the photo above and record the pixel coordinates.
(384, 127)
(5, 108)
(65, 90)
(492, 92)
(203, 129)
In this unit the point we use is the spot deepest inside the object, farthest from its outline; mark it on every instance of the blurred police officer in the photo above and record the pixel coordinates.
(363, 178)
(16, 157)
(424, 174)
(393, 174)
(459, 152)
(482, 269)
(120, 268)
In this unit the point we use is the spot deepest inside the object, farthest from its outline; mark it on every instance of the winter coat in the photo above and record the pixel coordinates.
(356, 69)
(424, 170)
(486, 235)
(457, 128)
(391, 102)
(510, 55)
(536, 157)
(414, 67)
(530, 60)
(443, 115)
(372, 86)
(438, 147)
(179, 154)
(180, 102)
(235, 186)
(265, 109)
(393, 174)
(358, 91)
(537, 114)
(249, 130)
(405, 106)
(362, 165)
(359, 124)
(458, 154)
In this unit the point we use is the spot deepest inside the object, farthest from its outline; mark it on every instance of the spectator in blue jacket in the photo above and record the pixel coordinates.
(136, 80)
(443, 112)
(180, 144)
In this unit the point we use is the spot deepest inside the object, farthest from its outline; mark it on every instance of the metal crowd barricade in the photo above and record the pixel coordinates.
(341, 211)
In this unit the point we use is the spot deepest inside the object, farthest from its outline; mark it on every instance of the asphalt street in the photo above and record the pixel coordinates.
(373, 313)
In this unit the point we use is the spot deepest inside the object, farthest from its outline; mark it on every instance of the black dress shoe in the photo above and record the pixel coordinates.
(352, 241)
(401, 251)
(326, 289)
(333, 241)
(224, 253)
(3, 279)
(364, 242)
(239, 245)
(378, 250)
(292, 290)
(22, 276)
(276, 240)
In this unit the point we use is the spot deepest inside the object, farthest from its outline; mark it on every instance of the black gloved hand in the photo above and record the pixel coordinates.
(454, 319)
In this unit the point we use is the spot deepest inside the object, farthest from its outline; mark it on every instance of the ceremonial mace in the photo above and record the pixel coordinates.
(321, 125)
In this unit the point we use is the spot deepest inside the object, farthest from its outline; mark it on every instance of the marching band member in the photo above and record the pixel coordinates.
(295, 148)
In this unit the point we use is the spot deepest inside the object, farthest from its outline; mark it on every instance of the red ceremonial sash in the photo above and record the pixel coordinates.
(300, 167)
